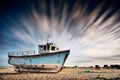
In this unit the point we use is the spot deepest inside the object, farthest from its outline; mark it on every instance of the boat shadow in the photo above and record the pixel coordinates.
(9, 73)
(103, 78)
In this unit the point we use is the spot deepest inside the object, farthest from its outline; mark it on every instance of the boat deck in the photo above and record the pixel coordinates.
(32, 53)
(22, 53)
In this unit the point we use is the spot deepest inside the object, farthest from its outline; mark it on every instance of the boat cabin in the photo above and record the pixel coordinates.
(49, 47)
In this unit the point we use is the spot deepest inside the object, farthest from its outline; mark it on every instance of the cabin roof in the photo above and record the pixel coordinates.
(47, 44)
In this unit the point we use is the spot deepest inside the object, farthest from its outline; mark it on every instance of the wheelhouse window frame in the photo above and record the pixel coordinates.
(44, 47)
(53, 48)
(41, 48)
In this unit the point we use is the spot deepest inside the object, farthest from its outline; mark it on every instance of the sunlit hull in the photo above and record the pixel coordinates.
(47, 62)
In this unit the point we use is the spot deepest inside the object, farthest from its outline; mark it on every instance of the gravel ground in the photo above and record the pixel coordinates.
(65, 74)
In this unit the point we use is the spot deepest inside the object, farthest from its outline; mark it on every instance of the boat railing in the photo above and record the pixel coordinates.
(21, 53)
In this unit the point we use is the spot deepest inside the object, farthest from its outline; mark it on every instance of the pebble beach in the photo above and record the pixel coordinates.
(64, 74)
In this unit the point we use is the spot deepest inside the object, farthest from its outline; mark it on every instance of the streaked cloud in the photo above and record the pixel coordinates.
(90, 31)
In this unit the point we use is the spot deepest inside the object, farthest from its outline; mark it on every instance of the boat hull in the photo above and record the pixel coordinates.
(47, 62)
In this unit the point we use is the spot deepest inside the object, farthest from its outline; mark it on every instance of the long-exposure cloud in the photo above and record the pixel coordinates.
(90, 29)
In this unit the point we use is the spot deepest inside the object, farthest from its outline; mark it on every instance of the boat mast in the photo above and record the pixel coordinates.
(48, 38)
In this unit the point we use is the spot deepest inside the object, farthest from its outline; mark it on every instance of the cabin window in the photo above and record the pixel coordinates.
(41, 48)
(44, 47)
(52, 48)
(48, 47)
(57, 49)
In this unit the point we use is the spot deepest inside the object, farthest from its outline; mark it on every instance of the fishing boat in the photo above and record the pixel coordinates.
(48, 59)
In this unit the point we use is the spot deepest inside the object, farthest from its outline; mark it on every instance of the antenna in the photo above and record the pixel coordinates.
(48, 38)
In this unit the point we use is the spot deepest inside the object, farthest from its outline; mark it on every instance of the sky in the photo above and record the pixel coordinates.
(89, 28)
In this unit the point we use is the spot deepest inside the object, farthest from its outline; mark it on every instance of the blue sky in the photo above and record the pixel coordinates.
(89, 28)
